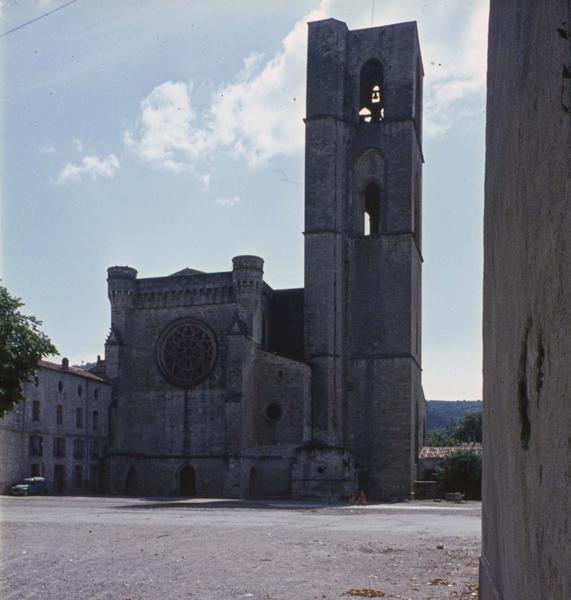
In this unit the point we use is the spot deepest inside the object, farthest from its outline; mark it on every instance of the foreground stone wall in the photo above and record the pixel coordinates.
(526, 552)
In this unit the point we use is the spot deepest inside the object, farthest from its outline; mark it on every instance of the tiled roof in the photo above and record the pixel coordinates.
(448, 451)
(44, 364)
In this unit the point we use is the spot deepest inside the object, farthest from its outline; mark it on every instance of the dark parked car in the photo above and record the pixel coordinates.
(30, 486)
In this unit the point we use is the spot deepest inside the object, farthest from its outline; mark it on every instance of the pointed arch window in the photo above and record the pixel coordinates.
(371, 92)
(372, 212)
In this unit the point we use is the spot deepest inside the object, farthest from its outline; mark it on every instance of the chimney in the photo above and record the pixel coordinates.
(65, 363)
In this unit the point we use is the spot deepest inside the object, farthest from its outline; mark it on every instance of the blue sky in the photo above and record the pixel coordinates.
(165, 135)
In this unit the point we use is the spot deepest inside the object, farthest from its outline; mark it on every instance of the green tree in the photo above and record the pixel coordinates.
(439, 439)
(462, 472)
(22, 344)
(470, 428)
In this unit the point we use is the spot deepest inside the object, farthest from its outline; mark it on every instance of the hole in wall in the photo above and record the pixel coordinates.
(522, 397)
(539, 368)
(273, 412)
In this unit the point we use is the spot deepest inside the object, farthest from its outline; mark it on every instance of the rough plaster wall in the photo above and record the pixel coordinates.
(526, 550)
(13, 448)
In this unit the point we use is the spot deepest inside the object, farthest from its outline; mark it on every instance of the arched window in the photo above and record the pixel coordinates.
(372, 212)
(371, 93)
(131, 482)
(254, 484)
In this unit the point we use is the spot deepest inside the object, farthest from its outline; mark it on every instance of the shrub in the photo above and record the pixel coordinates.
(462, 472)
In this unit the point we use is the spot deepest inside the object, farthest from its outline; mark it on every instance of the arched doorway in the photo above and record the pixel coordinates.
(187, 481)
(131, 482)
(254, 491)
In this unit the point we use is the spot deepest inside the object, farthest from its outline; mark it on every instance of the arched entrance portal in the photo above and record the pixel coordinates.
(187, 483)
(131, 482)
(254, 491)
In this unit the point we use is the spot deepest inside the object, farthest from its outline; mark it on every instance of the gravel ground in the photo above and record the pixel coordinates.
(148, 549)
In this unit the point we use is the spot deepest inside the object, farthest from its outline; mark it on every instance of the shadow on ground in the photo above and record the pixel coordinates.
(201, 504)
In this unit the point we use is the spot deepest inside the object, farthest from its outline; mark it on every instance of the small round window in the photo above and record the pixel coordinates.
(273, 412)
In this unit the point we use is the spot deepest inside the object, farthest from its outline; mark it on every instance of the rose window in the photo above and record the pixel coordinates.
(187, 353)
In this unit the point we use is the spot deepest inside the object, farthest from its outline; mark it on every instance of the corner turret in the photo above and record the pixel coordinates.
(121, 285)
(248, 281)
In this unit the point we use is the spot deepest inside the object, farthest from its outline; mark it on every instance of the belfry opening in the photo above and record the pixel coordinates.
(372, 101)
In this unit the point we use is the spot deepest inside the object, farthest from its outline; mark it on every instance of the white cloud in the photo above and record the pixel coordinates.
(204, 181)
(91, 166)
(164, 136)
(262, 116)
(48, 149)
(259, 114)
(228, 201)
(78, 144)
(456, 70)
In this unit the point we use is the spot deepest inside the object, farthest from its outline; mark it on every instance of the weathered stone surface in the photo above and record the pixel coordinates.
(526, 549)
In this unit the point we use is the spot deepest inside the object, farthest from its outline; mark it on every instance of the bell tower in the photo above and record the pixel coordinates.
(363, 253)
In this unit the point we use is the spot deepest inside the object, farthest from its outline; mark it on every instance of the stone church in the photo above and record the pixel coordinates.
(223, 386)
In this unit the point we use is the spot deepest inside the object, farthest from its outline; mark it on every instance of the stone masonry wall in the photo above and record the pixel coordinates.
(380, 418)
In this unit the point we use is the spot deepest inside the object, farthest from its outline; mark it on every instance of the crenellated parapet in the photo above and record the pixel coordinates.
(248, 275)
(121, 283)
(184, 296)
